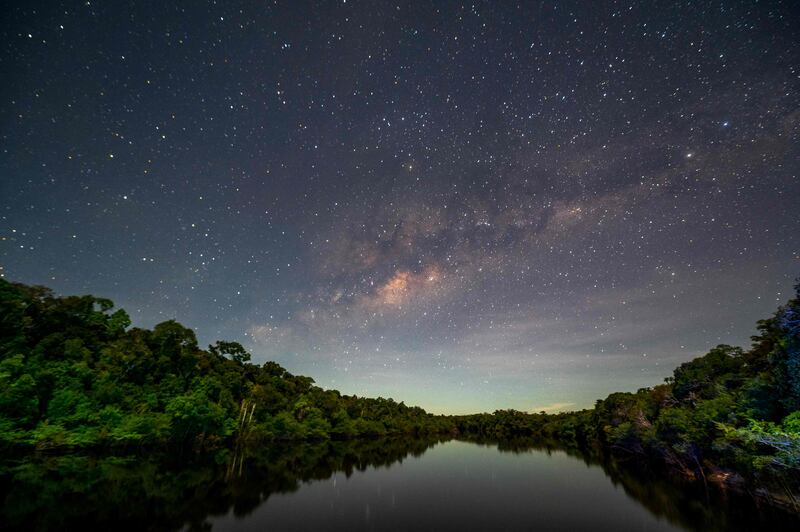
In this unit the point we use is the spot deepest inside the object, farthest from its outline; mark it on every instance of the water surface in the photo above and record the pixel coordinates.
(458, 485)
(392, 484)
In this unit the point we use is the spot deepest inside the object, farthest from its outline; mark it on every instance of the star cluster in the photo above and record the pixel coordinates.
(463, 206)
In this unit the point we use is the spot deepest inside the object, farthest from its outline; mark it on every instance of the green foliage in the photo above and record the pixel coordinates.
(705, 377)
(730, 409)
(762, 445)
(73, 373)
(235, 350)
(791, 423)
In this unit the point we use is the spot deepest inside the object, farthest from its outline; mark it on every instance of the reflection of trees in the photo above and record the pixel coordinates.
(165, 492)
(681, 502)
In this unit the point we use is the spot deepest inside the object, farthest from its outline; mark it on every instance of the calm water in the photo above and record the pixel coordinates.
(372, 485)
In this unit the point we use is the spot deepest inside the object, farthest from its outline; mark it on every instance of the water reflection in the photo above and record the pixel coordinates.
(394, 484)
(684, 504)
(170, 491)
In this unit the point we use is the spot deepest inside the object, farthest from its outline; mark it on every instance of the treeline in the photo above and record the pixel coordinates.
(727, 416)
(74, 374)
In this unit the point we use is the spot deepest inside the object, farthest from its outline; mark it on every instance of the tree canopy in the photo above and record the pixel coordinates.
(73, 373)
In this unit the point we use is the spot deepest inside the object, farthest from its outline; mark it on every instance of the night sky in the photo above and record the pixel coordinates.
(462, 206)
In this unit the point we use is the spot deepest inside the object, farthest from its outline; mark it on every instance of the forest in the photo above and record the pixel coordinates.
(74, 374)
(731, 416)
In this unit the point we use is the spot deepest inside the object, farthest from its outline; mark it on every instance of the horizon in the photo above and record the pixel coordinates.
(464, 208)
(553, 408)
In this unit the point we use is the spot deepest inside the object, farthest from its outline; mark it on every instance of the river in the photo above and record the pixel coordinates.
(392, 484)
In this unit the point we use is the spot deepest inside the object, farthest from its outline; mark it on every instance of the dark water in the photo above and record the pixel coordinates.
(367, 485)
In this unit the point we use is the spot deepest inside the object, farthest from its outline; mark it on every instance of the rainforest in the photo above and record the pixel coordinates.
(75, 377)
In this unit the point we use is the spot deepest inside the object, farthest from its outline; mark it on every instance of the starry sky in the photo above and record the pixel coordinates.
(464, 206)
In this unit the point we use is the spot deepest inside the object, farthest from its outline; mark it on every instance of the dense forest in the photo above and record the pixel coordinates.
(75, 374)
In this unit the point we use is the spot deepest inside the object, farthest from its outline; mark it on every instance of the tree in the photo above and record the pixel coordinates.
(233, 349)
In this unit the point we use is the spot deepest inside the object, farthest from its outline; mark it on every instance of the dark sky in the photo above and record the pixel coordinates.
(462, 206)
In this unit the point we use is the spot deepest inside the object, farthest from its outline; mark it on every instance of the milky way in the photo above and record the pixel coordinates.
(462, 206)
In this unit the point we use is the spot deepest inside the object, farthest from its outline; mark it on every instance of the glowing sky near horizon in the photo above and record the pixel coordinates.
(464, 206)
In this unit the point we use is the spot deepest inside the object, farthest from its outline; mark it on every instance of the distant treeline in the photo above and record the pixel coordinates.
(73, 373)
